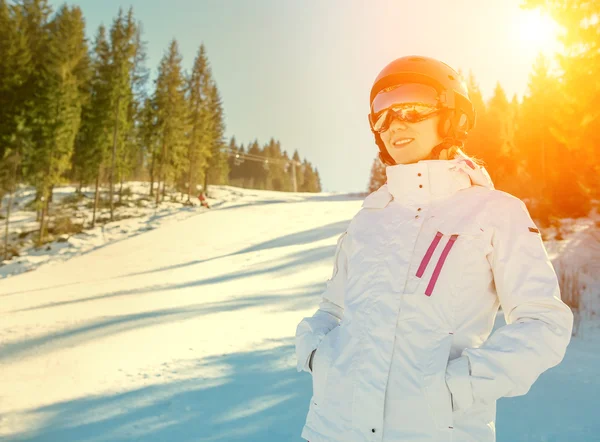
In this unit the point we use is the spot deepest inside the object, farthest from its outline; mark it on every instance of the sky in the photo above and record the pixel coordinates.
(301, 71)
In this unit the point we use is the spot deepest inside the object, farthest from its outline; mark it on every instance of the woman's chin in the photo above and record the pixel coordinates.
(402, 157)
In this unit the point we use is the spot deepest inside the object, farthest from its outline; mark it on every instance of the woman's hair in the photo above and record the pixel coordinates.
(457, 151)
(450, 152)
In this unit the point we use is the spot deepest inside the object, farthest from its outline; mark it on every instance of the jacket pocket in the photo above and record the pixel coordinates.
(438, 395)
(320, 366)
(440, 262)
(444, 249)
(429, 254)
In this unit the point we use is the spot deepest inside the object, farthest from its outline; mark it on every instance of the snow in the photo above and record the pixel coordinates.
(137, 215)
(184, 331)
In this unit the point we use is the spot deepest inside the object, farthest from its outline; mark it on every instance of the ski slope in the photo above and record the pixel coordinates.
(186, 333)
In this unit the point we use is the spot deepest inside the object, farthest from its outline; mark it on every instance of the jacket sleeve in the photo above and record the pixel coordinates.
(311, 330)
(538, 324)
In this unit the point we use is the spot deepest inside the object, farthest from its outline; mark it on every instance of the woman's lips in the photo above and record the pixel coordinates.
(401, 142)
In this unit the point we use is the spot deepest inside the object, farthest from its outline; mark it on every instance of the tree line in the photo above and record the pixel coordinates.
(269, 168)
(84, 112)
(544, 148)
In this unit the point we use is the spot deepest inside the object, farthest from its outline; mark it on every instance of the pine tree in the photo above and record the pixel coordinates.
(70, 63)
(276, 173)
(217, 168)
(172, 118)
(579, 127)
(555, 182)
(14, 71)
(297, 171)
(134, 163)
(254, 168)
(288, 185)
(59, 51)
(233, 161)
(126, 91)
(498, 148)
(35, 27)
(261, 171)
(200, 140)
(93, 142)
(478, 138)
(310, 182)
(378, 177)
(317, 187)
(149, 138)
(475, 95)
(242, 173)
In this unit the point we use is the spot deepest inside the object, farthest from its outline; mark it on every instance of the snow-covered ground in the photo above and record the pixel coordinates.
(184, 331)
(137, 214)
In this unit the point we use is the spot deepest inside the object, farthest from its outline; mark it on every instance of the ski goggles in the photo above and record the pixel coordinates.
(410, 102)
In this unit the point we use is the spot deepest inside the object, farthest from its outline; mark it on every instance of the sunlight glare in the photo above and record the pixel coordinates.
(537, 32)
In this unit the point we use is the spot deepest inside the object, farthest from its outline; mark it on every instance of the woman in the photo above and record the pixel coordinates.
(400, 347)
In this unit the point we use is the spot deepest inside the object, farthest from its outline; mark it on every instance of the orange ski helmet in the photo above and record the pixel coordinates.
(450, 93)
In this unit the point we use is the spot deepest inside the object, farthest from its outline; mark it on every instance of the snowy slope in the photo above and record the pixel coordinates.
(135, 215)
(186, 333)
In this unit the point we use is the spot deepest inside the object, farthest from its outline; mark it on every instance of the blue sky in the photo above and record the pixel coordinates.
(301, 71)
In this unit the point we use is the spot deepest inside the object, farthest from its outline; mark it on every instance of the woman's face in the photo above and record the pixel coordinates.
(424, 135)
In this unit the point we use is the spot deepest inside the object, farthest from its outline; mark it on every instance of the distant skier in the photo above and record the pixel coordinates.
(400, 347)
(203, 200)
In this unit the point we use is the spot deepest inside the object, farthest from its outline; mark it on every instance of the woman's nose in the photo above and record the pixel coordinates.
(398, 124)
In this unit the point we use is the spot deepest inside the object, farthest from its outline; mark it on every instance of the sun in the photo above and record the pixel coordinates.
(537, 32)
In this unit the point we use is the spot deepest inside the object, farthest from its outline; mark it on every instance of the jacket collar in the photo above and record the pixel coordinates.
(427, 181)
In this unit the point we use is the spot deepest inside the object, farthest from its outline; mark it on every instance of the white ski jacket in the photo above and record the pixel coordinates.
(404, 352)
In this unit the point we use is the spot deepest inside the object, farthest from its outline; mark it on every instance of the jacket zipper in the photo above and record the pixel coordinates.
(439, 265)
(427, 257)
